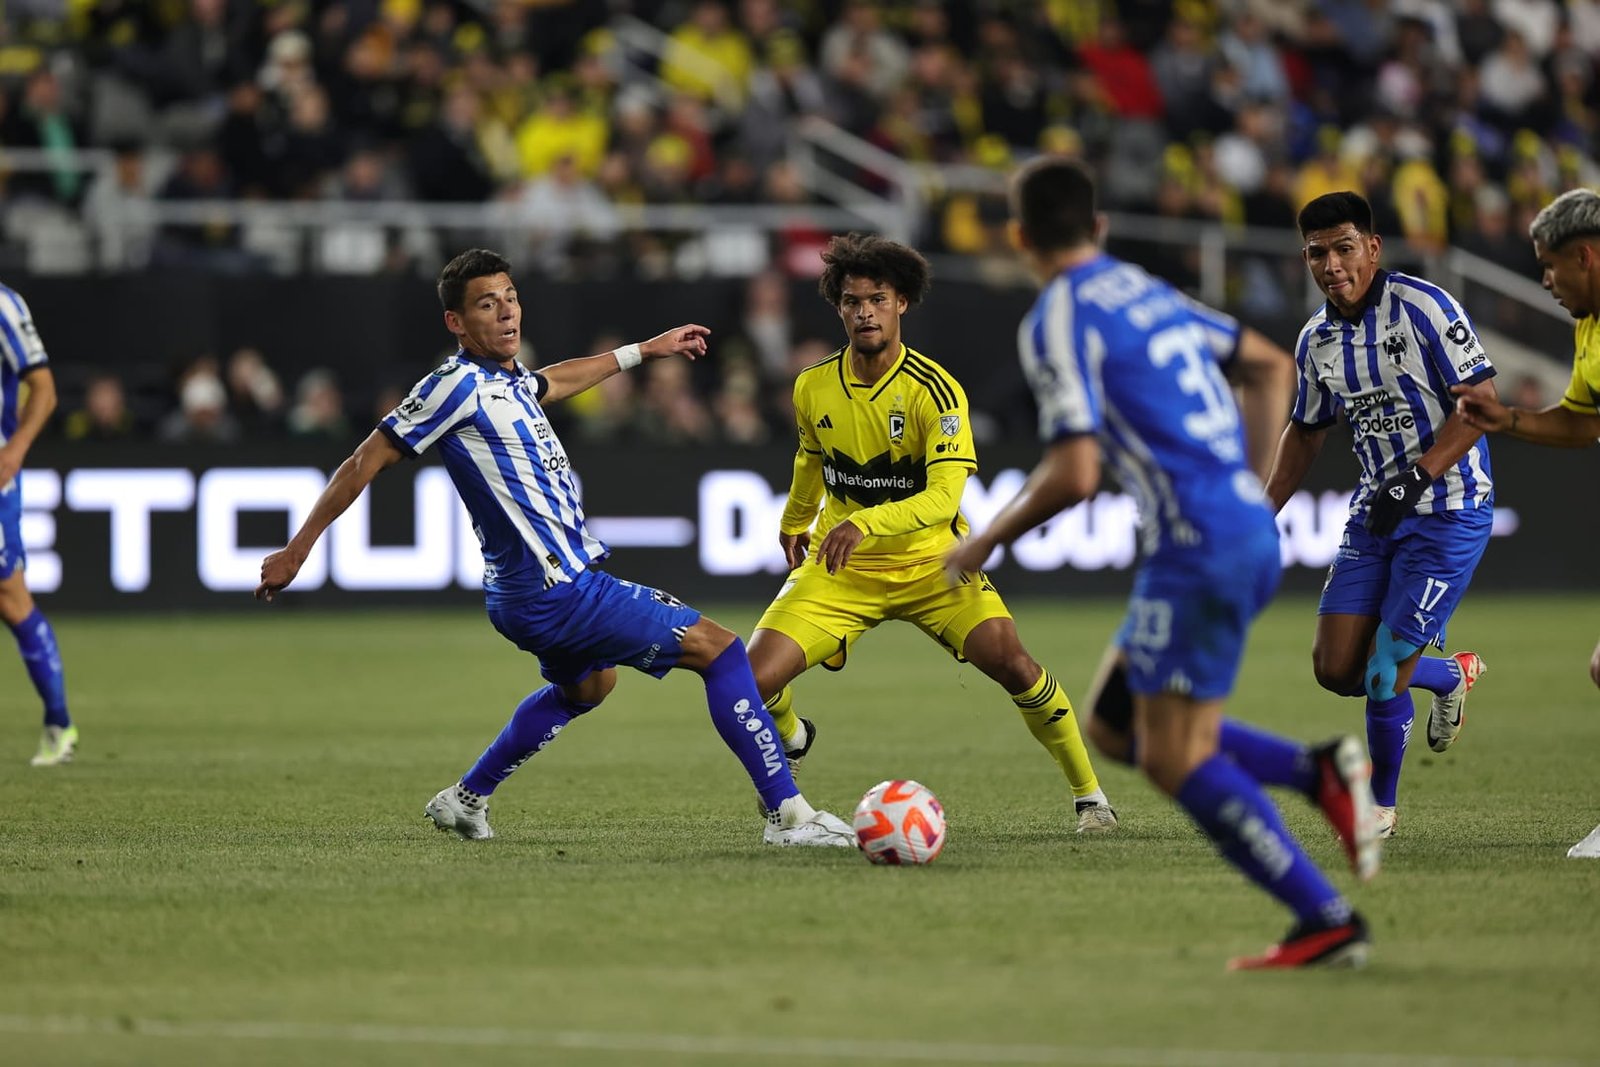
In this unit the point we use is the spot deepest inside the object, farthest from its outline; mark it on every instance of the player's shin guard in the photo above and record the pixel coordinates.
(781, 708)
(1244, 825)
(535, 723)
(1388, 733)
(746, 728)
(1048, 713)
(40, 654)
(1268, 758)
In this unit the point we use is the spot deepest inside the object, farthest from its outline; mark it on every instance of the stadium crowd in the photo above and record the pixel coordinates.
(1457, 119)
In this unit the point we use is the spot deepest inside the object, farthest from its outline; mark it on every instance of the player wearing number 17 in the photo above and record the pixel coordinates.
(1385, 350)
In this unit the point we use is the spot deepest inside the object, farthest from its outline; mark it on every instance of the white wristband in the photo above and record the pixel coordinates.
(628, 357)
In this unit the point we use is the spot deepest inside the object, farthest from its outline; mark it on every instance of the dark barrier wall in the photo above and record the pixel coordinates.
(169, 528)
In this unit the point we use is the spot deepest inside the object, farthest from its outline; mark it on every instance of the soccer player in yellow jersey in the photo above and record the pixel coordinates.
(885, 450)
(1566, 238)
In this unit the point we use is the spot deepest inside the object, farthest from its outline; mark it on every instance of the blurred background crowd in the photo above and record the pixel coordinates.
(1458, 118)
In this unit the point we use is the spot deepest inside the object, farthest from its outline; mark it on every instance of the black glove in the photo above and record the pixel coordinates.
(1394, 500)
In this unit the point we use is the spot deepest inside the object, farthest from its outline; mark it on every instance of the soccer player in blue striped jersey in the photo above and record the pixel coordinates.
(23, 360)
(1385, 351)
(1118, 358)
(484, 412)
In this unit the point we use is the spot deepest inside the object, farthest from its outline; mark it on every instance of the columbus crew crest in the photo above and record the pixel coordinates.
(897, 426)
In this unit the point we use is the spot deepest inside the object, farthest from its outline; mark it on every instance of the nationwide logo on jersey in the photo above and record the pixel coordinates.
(1394, 346)
(950, 425)
(877, 481)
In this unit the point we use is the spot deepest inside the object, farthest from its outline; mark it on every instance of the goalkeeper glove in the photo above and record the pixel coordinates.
(1394, 500)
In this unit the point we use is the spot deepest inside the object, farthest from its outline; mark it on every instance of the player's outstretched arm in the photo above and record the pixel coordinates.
(1068, 472)
(572, 376)
(35, 412)
(348, 482)
(1554, 425)
(1297, 450)
(1265, 376)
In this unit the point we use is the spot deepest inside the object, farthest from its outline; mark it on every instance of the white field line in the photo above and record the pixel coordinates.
(748, 1048)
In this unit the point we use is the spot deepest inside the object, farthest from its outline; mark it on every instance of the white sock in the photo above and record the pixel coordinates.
(794, 811)
(1097, 797)
(797, 741)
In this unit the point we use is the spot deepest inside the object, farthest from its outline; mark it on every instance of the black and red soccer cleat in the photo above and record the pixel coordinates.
(1342, 945)
(1343, 790)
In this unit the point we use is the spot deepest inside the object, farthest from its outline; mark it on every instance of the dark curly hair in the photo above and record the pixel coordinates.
(878, 259)
(473, 263)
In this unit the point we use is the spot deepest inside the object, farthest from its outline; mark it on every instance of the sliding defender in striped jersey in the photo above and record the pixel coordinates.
(1119, 359)
(25, 372)
(484, 412)
(885, 451)
(1385, 351)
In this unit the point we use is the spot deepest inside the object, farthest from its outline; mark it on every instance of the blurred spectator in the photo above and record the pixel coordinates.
(1249, 48)
(859, 45)
(671, 413)
(737, 407)
(211, 242)
(255, 396)
(318, 409)
(120, 212)
(104, 415)
(1182, 66)
(1512, 85)
(559, 129)
(202, 415)
(446, 162)
(560, 208)
(41, 121)
(708, 57)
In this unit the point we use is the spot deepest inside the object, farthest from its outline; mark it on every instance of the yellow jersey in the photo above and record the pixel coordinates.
(891, 456)
(1583, 392)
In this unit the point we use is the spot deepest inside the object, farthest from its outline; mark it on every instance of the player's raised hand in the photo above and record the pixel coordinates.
(795, 547)
(687, 341)
(1480, 408)
(837, 548)
(277, 571)
(967, 557)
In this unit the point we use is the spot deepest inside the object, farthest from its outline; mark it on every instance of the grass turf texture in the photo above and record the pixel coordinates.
(238, 863)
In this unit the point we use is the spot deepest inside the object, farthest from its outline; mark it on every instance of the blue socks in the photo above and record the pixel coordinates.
(1388, 731)
(535, 723)
(742, 719)
(1268, 758)
(1436, 675)
(37, 642)
(1244, 825)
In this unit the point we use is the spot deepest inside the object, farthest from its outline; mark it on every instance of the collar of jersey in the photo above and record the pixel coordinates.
(847, 376)
(490, 365)
(1380, 279)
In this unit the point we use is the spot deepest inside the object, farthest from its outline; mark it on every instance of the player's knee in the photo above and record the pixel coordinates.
(589, 693)
(706, 640)
(1337, 676)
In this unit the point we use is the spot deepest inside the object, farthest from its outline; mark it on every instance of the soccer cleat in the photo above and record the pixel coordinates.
(1096, 817)
(822, 830)
(1449, 709)
(1344, 945)
(452, 808)
(800, 753)
(56, 746)
(1343, 790)
(1588, 848)
(1386, 820)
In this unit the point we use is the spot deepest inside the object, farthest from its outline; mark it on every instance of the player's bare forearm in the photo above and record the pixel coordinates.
(36, 410)
(1456, 438)
(573, 376)
(1264, 374)
(1298, 448)
(370, 459)
(1556, 426)
(1068, 472)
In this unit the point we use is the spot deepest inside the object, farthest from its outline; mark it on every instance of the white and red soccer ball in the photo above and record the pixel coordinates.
(900, 822)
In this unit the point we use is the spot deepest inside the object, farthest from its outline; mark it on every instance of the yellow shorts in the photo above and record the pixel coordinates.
(824, 613)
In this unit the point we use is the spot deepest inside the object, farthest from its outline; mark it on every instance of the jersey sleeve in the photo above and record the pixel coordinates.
(1449, 341)
(1223, 331)
(946, 425)
(20, 345)
(441, 402)
(1583, 392)
(1314, 405)
(1060, 364)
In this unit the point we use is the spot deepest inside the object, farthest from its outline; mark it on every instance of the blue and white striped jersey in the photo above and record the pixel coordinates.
(512, 473)
(1390, 373)
(1111, 350)
(21, 351)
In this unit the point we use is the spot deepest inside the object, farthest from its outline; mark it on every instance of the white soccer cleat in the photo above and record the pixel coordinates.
(1449, 709)
(1386, 818)
(1588, 848)
(822, 830)
(56, 746)
(1098, 818)
(453, 809)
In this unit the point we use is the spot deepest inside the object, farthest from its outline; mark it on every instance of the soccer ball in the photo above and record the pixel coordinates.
(900, 822)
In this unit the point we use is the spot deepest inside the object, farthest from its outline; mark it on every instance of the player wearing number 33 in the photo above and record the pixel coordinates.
(1386, 350)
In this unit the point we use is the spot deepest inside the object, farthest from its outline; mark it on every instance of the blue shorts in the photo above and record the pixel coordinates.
(1191, 611)
(1411, 580)
(11, 554)
(595, 622)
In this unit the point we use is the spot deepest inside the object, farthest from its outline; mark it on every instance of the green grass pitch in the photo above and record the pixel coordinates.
(236, 869)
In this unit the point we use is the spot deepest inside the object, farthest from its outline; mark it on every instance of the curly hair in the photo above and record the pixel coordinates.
(878, 259)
